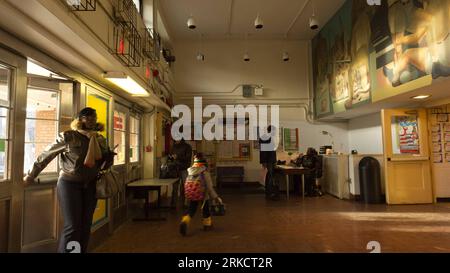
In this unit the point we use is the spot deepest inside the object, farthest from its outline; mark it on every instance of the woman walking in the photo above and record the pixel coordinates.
(83, 153)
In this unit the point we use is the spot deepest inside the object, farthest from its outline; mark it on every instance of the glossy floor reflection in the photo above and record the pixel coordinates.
(325, 224)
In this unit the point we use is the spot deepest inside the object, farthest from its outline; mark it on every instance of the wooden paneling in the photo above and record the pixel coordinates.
(4, 225)
(40, 221)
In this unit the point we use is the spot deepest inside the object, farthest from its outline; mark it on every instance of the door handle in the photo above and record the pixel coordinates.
(388, 159)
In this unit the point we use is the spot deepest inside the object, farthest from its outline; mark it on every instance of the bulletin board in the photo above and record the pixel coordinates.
(101, 105)
(439, 143)
(234, 150)
(440, 137)
(290, 139)
(406, 135)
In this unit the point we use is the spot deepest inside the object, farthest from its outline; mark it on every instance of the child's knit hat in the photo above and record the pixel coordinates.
(200, 161)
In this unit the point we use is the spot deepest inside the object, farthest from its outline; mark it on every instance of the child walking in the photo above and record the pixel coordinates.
(198, 189)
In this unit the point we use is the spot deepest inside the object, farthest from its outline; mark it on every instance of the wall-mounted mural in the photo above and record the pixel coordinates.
(346, 39)
(375, 52)
(322, 76)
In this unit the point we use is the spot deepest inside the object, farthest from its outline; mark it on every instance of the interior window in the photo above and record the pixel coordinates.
(4, 118)
(41, 125)
(134, 139)
(137, 3)
(119, 137)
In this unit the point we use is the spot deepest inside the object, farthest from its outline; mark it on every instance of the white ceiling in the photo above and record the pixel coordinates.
(235, 18)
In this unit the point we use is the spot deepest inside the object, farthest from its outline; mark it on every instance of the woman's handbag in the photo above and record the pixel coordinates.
(107, 184)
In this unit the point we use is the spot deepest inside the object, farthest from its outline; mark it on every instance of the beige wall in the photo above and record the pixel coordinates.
(224, 69)
(285, 84)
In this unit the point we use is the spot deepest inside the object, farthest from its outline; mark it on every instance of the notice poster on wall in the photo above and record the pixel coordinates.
(234, 151)
(437, 158)
(442, 118)
(436, 137)
(436, 128)
(447, 127)
(447, 147)
(244, 149)
(437, 147)
(407, 134)
(290, 139)
(226, 150)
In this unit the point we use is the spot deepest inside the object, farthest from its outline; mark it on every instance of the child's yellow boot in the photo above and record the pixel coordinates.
(184, 224)
(207, 224)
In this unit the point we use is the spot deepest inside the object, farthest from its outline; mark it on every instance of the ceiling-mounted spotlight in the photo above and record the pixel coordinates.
(285, 56)
(191, 23)
(313, 23)
(200, 57)
(246, 57)
(259, 24)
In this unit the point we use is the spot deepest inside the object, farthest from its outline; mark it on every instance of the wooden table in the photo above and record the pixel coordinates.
(292, 170)
(145, 186)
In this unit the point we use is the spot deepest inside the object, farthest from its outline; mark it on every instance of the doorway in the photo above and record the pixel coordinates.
(12, 119)
(406, 156)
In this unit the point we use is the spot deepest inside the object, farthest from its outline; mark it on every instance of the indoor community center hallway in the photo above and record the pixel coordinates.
(105, 104)
(315, 225)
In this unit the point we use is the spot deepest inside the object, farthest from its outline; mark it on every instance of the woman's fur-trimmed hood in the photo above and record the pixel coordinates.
(78, 125)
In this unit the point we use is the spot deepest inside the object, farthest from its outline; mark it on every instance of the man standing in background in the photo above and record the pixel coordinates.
(268, 158)
(182, 153)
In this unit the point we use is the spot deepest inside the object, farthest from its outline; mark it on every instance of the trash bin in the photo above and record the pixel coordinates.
(370, 180)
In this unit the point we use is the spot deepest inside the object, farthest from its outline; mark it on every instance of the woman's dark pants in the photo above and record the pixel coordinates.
(77, 201)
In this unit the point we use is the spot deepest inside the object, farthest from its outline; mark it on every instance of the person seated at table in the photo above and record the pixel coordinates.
(313, 162)
(198, 189)
(297, 178)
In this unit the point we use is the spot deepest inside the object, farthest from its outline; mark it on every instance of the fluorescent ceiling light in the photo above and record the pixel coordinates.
(126, 83)
(35, 69)
(421, 97)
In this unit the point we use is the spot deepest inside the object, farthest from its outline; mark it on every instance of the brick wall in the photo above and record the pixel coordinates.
(46, 133)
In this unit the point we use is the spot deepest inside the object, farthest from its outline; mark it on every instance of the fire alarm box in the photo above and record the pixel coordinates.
(148, 149)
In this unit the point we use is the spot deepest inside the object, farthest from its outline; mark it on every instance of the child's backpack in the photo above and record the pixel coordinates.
(195, 187)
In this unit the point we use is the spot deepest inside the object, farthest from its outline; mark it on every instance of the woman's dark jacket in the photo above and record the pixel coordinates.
(72, 147)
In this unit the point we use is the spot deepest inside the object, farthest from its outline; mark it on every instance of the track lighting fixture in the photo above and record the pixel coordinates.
(259, 24)
(191, 23)
(200, 57)
(246, 57)
(313, 21)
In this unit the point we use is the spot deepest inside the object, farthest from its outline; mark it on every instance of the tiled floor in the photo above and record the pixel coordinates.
(325, 224)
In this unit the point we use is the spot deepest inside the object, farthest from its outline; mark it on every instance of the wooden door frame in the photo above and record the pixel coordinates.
(424, 146)
(16, 132)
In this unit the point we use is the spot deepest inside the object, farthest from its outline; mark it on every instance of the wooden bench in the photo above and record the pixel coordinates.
(231, 175)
